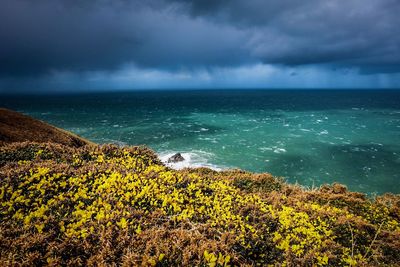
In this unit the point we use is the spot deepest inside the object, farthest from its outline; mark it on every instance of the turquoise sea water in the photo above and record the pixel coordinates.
(310, 137)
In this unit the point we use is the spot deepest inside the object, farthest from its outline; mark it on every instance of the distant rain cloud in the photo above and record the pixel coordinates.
(41, 39)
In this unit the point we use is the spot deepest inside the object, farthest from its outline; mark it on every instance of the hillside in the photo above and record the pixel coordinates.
(16, 127)
(106, 205)
(90, 205)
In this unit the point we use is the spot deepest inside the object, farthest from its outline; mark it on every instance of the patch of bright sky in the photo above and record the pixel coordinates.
(248, 76)
(131, 77)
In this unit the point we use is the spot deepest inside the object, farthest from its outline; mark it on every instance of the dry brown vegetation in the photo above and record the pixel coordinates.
(104, 205)
(16, 127)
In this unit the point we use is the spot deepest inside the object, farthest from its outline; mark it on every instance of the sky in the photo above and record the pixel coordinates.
(64, 45)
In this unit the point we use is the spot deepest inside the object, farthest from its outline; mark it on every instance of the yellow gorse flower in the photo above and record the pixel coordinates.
(113, 189)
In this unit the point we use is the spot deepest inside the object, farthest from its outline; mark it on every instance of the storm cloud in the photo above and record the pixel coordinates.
(45, 36)
(346, 33)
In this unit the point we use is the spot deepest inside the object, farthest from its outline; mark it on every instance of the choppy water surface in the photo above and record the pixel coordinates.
(310, 137)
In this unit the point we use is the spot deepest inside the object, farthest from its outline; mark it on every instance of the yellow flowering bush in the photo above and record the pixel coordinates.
(109, 205)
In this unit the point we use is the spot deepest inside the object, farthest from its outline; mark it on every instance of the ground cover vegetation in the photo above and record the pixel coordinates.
(109, 205)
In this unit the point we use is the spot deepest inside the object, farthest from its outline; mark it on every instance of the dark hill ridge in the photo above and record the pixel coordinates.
(17, 127)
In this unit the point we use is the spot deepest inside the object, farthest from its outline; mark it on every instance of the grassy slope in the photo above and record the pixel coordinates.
(16, 127)
(105, 205)
(92, 205)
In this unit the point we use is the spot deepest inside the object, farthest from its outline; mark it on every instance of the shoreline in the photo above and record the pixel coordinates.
(360, 150)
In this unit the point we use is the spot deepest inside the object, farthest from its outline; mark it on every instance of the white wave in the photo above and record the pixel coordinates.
(193, 159)
(279, 150)
(212, 140)
(264, 148)
(378, 144)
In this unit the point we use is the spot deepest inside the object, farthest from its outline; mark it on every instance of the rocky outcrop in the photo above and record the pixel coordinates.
(176, 158)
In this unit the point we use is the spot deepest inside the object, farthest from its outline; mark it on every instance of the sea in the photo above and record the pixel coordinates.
(308, 137)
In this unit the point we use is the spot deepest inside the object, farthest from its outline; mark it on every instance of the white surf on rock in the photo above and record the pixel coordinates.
(193, 159)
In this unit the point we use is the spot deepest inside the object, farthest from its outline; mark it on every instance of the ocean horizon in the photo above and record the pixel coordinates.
(310, 137)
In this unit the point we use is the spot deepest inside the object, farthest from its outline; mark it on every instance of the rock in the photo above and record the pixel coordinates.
(176, 158)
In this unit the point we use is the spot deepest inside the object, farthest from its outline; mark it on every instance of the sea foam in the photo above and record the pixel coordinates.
(193, 159)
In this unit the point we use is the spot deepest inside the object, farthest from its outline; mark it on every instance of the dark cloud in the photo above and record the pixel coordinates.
(46, 35)
(41, 36)
(356, 33)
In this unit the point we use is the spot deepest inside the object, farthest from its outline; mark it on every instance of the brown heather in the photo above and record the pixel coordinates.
(105, 205)
(17, 127)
